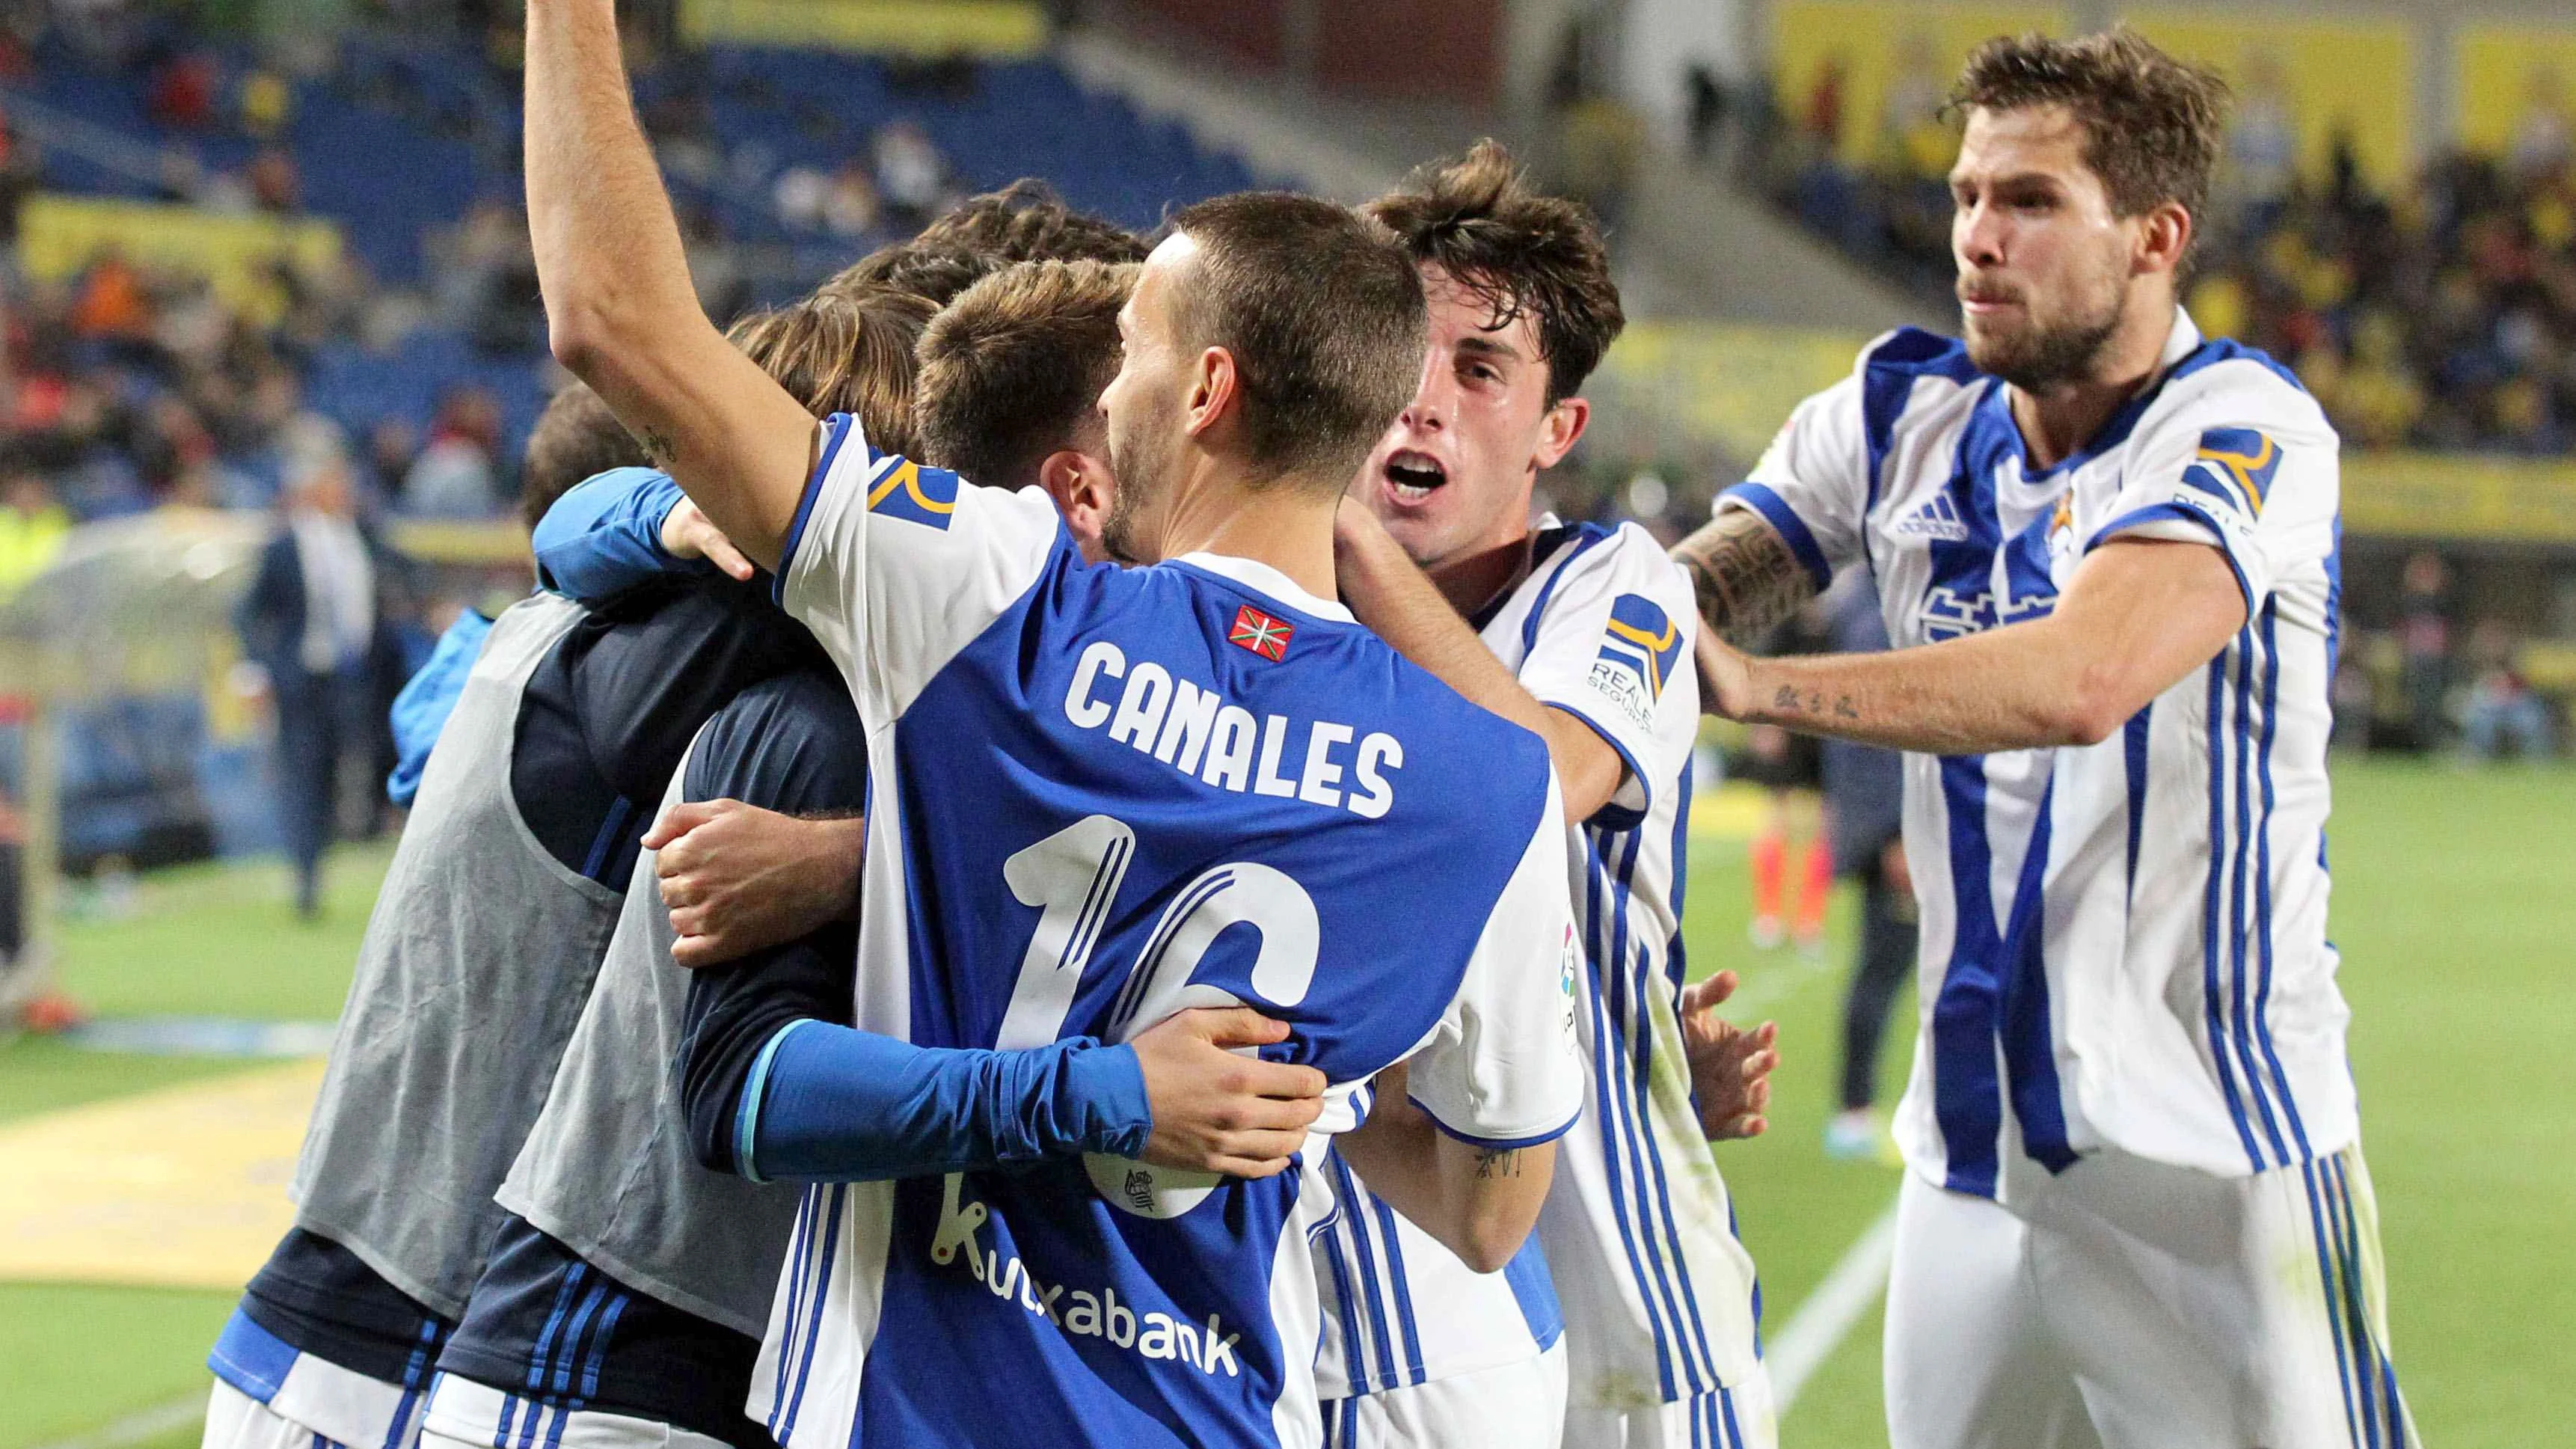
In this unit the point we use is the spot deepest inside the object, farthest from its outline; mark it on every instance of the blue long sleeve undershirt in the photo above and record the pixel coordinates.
(605, 535)
(828, 1103)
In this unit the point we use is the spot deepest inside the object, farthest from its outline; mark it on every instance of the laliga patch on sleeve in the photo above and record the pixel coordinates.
(2236, 466)
(1639, 651)
(915, 494)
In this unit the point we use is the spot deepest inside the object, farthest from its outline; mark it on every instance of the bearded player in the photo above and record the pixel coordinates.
(2106, 546)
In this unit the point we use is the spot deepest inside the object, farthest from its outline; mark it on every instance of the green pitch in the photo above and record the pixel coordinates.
(2455, 905)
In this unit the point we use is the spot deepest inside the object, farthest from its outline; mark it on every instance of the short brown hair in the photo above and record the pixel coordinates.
(1011, 368)
(1477, 218)
(1027, 222)
(934, 274)
(844, 352)
(2153, 125)
(576, 437)
(1323, 314)
(1023, 222)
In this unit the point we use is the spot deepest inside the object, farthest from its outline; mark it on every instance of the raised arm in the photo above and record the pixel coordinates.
(621, 312)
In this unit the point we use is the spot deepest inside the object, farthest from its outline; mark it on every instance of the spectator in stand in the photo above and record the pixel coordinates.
(454, 477)
(173, 451)
(2542, 142)
(2424, 644)
(2502, 708)
(849, 207)
(1821, 119)
(113, 304)
(317, 619)
(182, 93)
(284, 439)
(911, 175)
(275, 186)
(469, 263)
(799, 195)
(32, 528)
(391, 450)
(267, 104)
(22, 168)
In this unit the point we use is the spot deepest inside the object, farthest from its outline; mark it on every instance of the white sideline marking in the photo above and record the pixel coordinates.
(1826, 1317)
(1766, 985)
(138, 1427)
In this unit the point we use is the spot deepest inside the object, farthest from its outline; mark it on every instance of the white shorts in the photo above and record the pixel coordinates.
(1732, 1418)
(466, 1415)
(1511, 1406)
(2129, 1304)
(268, 1395)
(235, 1420)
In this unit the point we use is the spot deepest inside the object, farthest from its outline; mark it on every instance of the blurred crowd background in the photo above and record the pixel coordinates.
(264, 260)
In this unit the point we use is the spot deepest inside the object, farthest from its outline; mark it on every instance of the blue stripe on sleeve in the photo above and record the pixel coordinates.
(605, 535)
(836, 430)
(746, 1122)
(2178, 513)
(1762, 499)
(1612, 815)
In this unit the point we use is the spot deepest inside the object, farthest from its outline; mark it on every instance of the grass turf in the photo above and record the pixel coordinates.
(203, 940)
(2453, 911)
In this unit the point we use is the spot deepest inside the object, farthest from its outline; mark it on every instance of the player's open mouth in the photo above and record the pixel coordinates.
(1413, 477)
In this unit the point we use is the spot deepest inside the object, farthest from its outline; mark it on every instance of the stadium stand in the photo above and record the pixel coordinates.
(224, 266)
(795, 161)
(2440, 313)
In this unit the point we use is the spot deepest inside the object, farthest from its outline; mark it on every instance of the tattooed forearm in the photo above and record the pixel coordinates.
(657, 447)
(1790, 706)
(1499, 1162)
(1744, 574)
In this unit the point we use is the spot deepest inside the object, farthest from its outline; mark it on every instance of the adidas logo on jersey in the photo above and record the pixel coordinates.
(1080, 1313)
(1938, 519)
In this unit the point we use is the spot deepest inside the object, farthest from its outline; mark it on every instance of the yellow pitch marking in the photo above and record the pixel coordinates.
(183, 1188)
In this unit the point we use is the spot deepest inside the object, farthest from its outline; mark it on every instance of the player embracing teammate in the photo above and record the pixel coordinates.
(1629, 1318)
(1349, 740)
(2136, 1213)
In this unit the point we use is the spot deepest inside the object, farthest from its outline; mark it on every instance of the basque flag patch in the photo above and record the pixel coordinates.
(1264, 634)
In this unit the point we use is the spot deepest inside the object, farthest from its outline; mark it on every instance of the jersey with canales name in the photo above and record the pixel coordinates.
(1102, 795)
(1641, 1270)
(2123, 945)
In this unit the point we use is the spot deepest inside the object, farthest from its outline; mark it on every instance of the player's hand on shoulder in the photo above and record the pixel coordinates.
(687, 532)
(737, 878)
(1725, 677)
(1363, 555)
(1215, 1111)
(1730, 1066)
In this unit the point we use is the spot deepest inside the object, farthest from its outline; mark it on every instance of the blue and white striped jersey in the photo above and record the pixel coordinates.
(2122, 945)
(1101, 795)
(1652, 1291)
